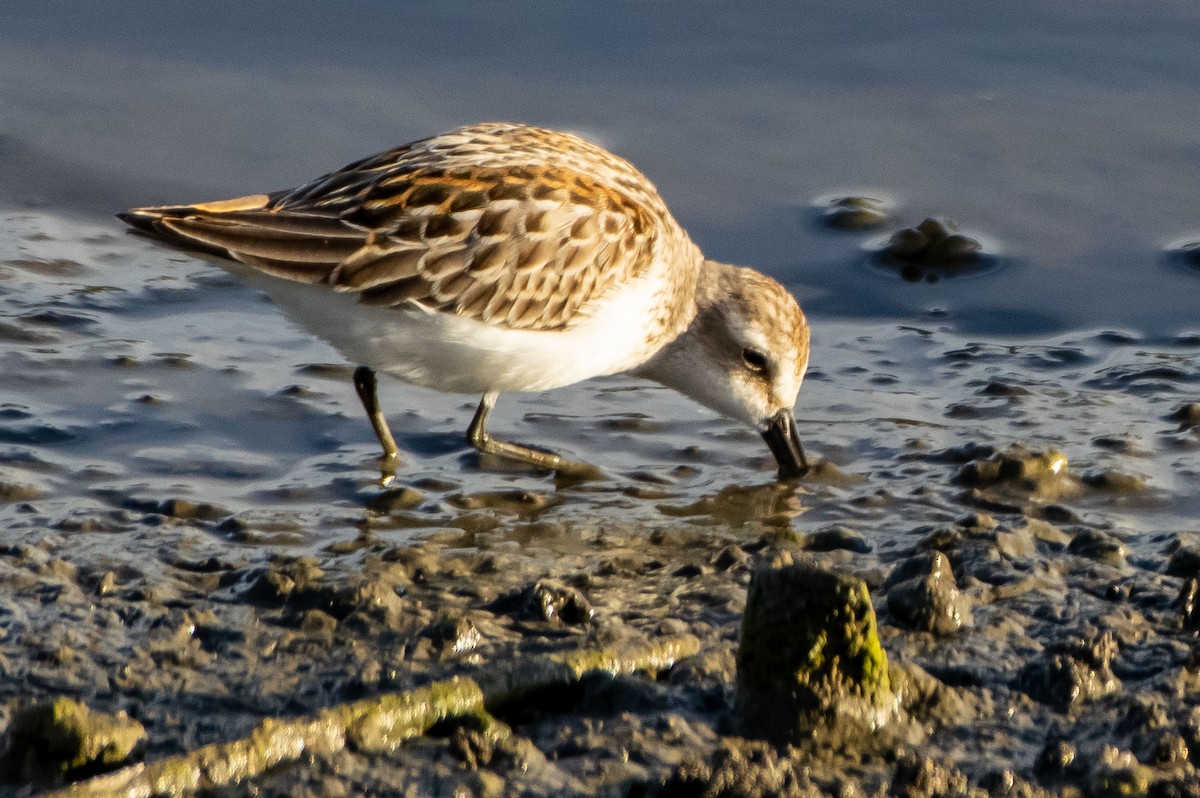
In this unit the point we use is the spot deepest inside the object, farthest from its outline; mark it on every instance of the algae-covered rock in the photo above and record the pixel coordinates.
(273, 584)
(1022, 472)
(64, 735)
(1169, 748)
(396, 499)
(809, 655)
(369, 600)
(565, 603)
(480, 741)
(1015, 464)
(453, 635)
(187, 510)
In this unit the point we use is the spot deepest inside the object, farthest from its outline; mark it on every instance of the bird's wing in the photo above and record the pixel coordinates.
(516, 246)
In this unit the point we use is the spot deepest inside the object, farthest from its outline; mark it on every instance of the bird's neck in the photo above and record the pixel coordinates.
(693, 290)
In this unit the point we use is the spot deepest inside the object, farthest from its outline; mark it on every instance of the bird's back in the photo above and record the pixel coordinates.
(511, 227)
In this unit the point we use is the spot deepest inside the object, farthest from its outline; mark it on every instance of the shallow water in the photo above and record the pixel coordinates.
(1066, 143)
(133, 376)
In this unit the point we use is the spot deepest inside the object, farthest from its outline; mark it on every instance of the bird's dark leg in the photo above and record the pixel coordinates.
(481, 439)
(364, 384)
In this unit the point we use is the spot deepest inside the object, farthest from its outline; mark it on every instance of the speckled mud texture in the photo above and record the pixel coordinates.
(195, 543)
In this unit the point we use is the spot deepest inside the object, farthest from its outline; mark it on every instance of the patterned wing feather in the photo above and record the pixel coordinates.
(511, 226)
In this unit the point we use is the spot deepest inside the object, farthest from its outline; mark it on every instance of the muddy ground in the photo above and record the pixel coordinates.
(1062, 667)
(1018, 512)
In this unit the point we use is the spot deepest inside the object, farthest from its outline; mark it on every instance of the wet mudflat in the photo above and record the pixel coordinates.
(1006, 411)
(196, 539)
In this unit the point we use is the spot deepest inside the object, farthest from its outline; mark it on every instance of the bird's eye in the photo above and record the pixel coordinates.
(755, 360)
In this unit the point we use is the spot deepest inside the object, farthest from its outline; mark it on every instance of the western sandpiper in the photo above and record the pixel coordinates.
(502, 257)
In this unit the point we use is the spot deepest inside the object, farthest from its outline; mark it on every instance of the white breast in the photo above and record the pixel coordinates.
(454, 354)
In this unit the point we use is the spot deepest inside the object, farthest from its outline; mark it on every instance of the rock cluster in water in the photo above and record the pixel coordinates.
(932, 249)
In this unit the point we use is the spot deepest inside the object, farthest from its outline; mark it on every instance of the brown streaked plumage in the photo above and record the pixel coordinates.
(505, 257)
(458, 228)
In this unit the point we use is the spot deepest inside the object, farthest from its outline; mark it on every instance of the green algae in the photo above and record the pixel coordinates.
(809, 654)
(379, 724)
(65, 735)
(382, 724)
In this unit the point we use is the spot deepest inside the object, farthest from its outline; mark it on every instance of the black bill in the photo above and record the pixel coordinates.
(781, 436)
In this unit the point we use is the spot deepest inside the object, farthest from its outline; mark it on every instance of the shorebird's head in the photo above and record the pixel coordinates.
(744, 355)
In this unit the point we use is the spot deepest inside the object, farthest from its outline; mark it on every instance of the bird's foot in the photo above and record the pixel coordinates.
(387, 468)
(565, 470)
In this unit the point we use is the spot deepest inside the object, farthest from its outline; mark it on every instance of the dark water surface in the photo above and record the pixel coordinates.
(1069, 133)
(1065, 135)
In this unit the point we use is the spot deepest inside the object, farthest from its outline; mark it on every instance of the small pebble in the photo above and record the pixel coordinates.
(1098, 546)
(1190, 253)
(1057, 758)
(1115, 482)
(855, 213)
(835, 538)
(1184, 560)
(1188, 415)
